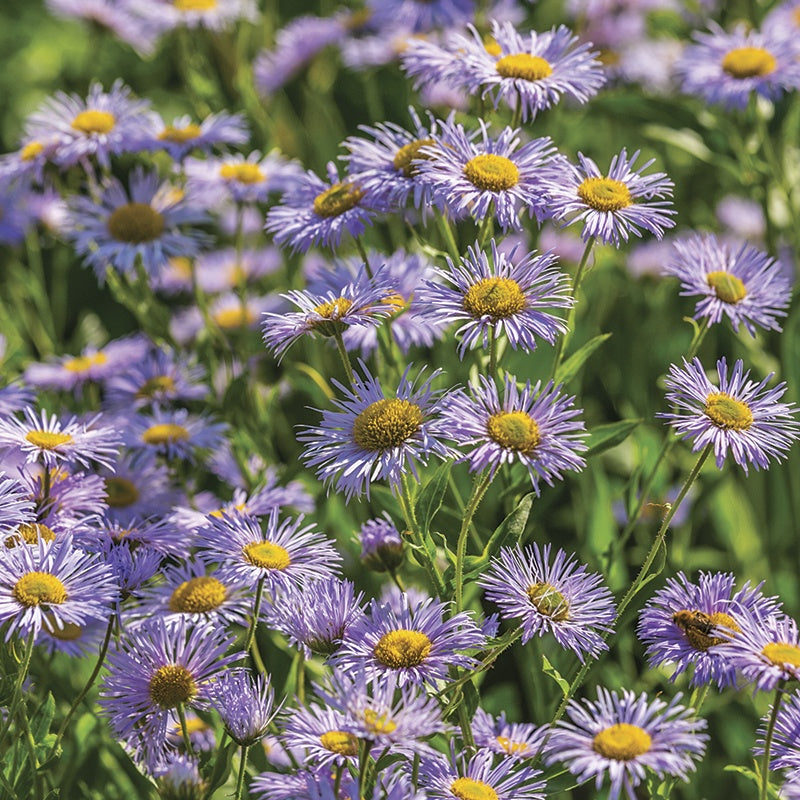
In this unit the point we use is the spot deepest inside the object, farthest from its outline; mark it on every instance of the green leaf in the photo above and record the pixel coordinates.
(604, 437)
(470, 698)
(553, 673)
(431, 497)
(222, 767)
(570, 368)
(43, 718)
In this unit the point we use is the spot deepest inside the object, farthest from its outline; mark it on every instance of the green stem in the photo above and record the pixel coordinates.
(348, 367)
(486, 226)
(492, 354)
(240, 777)
(478, 492)
(185, 731)
(412, 525)
(251, 633)
(449, 237)
(16, 695)
(363, 253)
(768, 740)
(561, 343)
(300, 678)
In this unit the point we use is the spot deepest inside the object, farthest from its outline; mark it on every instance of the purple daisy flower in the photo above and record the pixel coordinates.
(75, 641)
(142, 226)
(511, 739)
(476, 176)
(680, 622)
(171, 14)
(171, 433)
(224, 270)
(416, 647)
(361, 302)
(791, 789)
(612, 206)
(178, 775)
(192, 592)
(285, 555)
(53, 442)
(246, 704)
(155, 669)
(727, 68)
(318, 616)
(184, 135)
(420, 15)
(534, 70)
(230, 312)
(243, 179)
(325, 735)
(373, 437)
(16, 505)
(533, 425)
(506, 295)
(381, 544)
(745, 285)
(624, 738)
(138, 488)
(52, 584)
(561, 597)
(739, 415)
(784, 751)
(449, 779)
(765, 649)
(313, 212)
(132, 565)
(104, 124)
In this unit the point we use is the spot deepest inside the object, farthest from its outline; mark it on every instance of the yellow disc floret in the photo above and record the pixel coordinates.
(339, 198)
(727, 287)
(48, 440)
(172, 685)
(242, 173)
(604, 194)
(340, 742)
(782, 654)
(514, 430)
(402, 648)
(548, 601)
(748, 62)
(498, 298)
(135, 223)
(386, 423)
(266, 555)
(39, 588)
(180, 135)
(728, 413)
(524, 66)
(85, 363)
(197, 596)
(491, 173)
(93, 121)
(622, 742)
(403, 160)
(472, 789)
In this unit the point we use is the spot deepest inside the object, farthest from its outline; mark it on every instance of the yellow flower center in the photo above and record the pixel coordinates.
(340, 742)
(48, 440)
(727, 413)
(181, 265)
(339, 198)
(386, 423)
(379, 723)
(160, 384)
(236, 317)
(221, 512)
(748, 62)
(31, 150)
(698, 626)
(84, 363)
(30, 533)
(622, 742)
(471, 789)
(39, 588)
(491, 173)
(727, 287)
(511, 747)
(180, 135)
(243, 173)
(492, 47)
(548, 601)
(121, 492)
(172, 685)
(193, 725)
(404, 157)
(165, 433)
(402, 648)
(396, 301)
(69, 633)
(524, 66)
(514, 430)
(604, 194)
(500, 298)
(782, 654)
(92, 121)
(331, 310)
(135, 223)
(197, 596)
(266, 555)
(195, 5)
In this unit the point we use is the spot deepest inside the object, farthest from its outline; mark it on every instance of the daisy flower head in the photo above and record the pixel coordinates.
(534, 426)
(178, 775)
(381, 544)
(171, 434)
(249, 179)
(534, 70)
(53, 442)
(791, 789)
(285, 554)
(49, 585)
(211, 14)
(420, 15)
(727, 67)
(16, 505)
(372, 437)
(416, 647)
(246, 704)
(314, 212)
(739, 415)
(681, 623)
(784, 751)
(102, 125)
(324, 734)
(499, 294)
(474, 175)
(448, 779)
(741, 283)
(228, 312)
(558, 596)
(624, 737)
(141, 225)
(155, 669)
(138, 488)
(613, 206)
(361, 302)
(183, 135)
(510, 739)
(765, 649)
(225, 269)
(75, 641)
